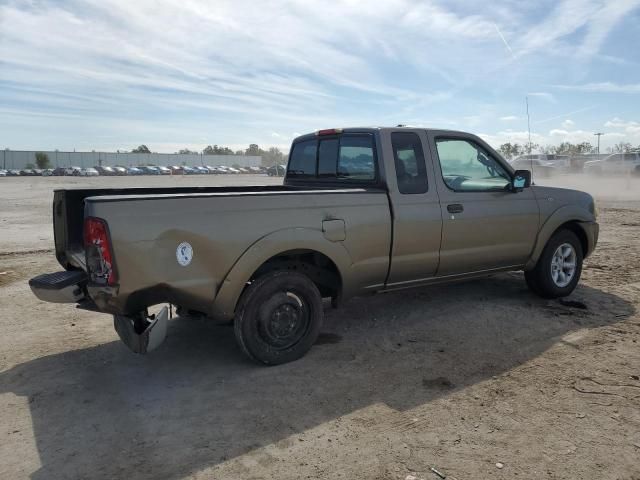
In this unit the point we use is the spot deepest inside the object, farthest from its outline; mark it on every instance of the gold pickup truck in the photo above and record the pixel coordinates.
(361, 210)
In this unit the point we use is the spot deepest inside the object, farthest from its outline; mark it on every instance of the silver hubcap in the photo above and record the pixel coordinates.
(563, 265)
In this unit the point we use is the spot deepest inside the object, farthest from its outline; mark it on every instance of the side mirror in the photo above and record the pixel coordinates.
(521, 180)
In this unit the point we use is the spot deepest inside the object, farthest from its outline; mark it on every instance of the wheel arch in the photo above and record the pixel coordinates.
(300, 249)
(571, 218)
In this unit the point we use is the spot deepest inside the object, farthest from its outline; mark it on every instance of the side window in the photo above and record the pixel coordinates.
(467, 167)
(303, 159)
(328, 157)
(409, 162)
(356, 160)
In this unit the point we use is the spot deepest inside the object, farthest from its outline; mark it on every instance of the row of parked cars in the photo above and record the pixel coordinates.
(141, 170)
(550, 165)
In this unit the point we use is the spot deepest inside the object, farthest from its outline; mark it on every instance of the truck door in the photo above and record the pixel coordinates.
(417, 219)
(485, 225)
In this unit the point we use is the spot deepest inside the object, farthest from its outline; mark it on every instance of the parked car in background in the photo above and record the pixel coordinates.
(120, 171)
(3, 172)
(105, 171)
(28, 172)
(232, 170)
(72, 171)
(134, 171)
(13, 173)
(577, 161)
(47, 172)
(616, 164)
(276, 171)
(59, 172)
(149, 170)
(176, 169)
(537, 167)
(38, 171)
(89, 172)
(561, 162)
(202, 170)
(164, 170)
(189, 170)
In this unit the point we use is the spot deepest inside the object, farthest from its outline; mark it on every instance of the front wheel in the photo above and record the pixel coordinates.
(278, 317)
(559, 267)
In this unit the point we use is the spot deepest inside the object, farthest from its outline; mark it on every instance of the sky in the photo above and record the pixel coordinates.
(114, 74)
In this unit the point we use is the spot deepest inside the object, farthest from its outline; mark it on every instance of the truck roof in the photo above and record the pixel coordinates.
(368, 130)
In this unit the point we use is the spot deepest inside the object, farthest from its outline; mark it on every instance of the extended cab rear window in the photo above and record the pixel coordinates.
(346, 157)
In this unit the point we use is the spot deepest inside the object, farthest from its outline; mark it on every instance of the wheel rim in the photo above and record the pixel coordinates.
(284, 320)
(563, 265)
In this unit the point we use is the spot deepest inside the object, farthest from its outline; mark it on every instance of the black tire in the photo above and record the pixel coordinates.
(278, 317)
(540, 279)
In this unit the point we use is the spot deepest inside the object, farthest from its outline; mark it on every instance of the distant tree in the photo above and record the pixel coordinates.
(271, 157)
(621, 147)
(568, 148)
(29, 166)
(511, 150)
(217, 150)
(186, 151)
(42, 160)
(585, 147)
(141, 149)
(239, 152)
(252, 150)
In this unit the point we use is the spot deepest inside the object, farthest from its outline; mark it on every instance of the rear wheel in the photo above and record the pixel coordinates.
(278, 317)
(559, 267)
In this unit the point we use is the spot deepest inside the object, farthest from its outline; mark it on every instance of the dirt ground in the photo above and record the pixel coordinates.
(460, 377)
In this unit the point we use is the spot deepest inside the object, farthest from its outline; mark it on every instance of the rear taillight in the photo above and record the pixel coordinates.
(97, 246)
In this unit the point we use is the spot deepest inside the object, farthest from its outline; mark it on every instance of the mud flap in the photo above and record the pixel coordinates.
(151, 337)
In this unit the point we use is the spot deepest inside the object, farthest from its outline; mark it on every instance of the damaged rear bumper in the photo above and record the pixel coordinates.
(142, 334)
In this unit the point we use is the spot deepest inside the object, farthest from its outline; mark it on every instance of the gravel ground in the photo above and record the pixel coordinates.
(462, 377)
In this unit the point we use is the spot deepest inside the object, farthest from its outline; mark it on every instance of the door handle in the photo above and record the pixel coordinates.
(455, 208)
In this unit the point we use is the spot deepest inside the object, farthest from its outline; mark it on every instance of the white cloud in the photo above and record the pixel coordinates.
(197, 71)
(597, 18)
(606, 19)
(603, 87)
(568, 123)
(629, 127)
(543, 95)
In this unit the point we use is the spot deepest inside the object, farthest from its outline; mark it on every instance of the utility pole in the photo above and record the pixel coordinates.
(526, 99)
(598, 134)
